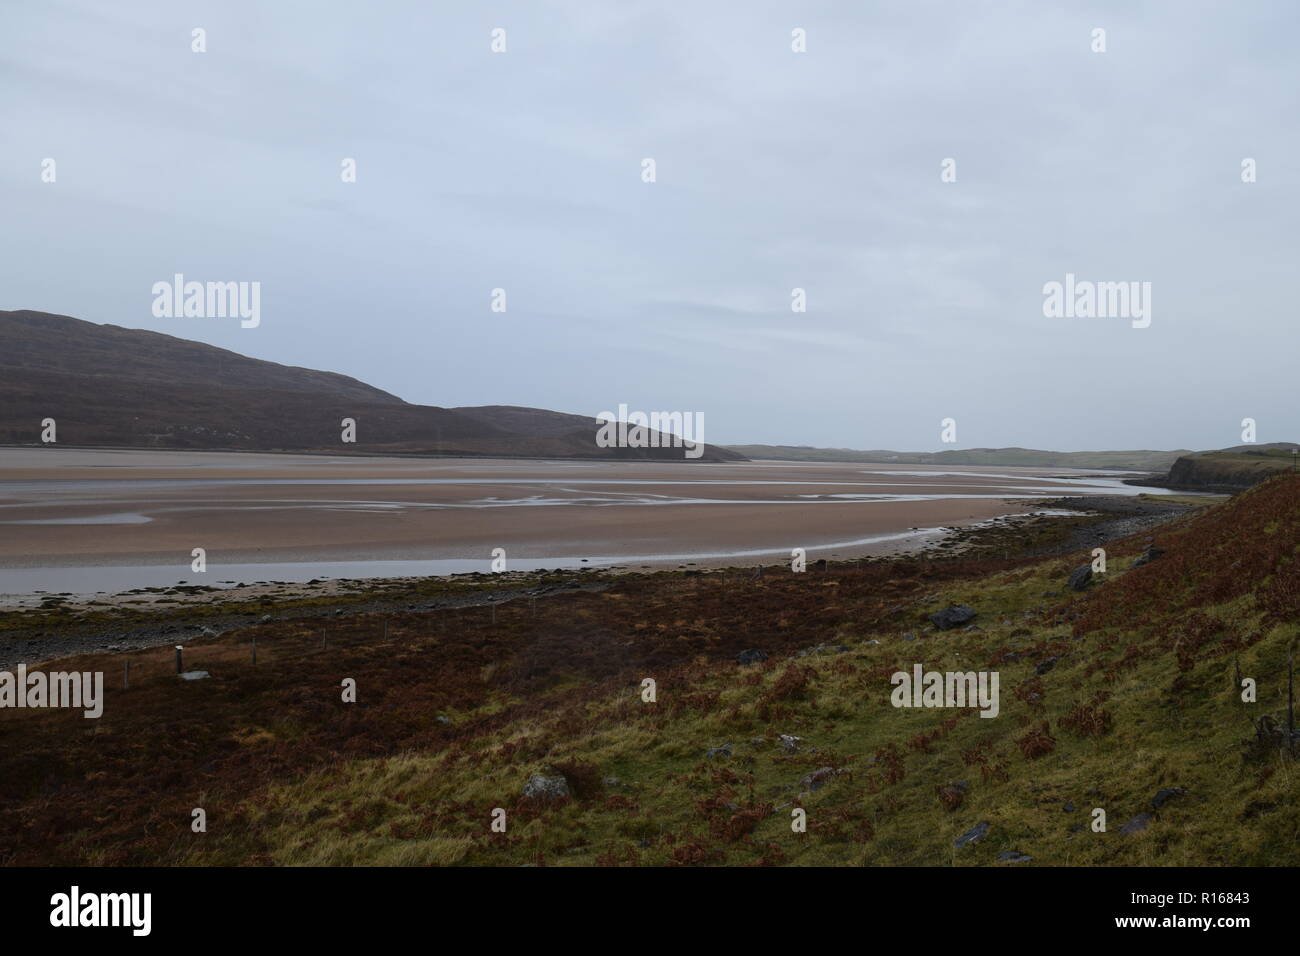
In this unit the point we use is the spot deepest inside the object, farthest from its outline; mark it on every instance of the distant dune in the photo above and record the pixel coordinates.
(1141, 460)
(111, 386)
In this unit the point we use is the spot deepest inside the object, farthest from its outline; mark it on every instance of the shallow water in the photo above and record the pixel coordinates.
(437, 517)
(113, 579)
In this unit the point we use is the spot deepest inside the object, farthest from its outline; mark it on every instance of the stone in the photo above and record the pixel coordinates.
(1080, 578)
(818, 778)
(1138, 823)
(1164, 796)
(830, 648)
(1149, 555)
(750, 656)
(1046, 664)
(1013, 856)
(542, 787)
(973, 835)
(954, 615)
(723, 751)
(195, 675)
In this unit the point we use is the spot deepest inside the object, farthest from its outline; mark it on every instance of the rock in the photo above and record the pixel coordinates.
(1069, 806)
(750, 656)
(973, 835)
(971, 629)
(1046, 664)
(1149, 555)
(909, 637)
(264, 619)
(195, 675)
(723, 751)
(790, 742)
(541, 787)
(1139, 822)
(954, 615)
(1080, 577)
(820, 565)
(1013, 856)
(832, 648)
(818, 778)
(443, 719)
(1164, 796)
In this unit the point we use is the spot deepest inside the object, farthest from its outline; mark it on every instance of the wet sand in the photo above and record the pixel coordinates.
(65, 508)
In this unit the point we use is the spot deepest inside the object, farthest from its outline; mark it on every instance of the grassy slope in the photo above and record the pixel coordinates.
(288, 774)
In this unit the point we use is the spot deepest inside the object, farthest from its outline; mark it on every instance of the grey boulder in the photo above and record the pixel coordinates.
(954, 615)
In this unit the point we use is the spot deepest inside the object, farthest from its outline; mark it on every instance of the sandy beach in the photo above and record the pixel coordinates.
(67, 508)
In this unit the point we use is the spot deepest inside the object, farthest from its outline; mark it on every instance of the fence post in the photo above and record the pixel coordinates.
(179, 667)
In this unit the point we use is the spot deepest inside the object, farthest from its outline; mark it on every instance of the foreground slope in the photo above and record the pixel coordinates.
(1123, 698)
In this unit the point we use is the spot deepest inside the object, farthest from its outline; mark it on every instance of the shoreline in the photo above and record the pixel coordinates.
(153, 617)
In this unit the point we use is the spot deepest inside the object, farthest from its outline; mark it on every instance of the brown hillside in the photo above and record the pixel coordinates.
(106, 385)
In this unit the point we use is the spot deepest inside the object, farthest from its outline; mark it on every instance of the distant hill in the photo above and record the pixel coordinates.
(1141, 460)
(107, 385)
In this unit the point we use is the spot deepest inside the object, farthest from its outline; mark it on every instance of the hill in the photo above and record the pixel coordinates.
(1141, 460)
(106, 385)
(1125, 697)
(1231, 469)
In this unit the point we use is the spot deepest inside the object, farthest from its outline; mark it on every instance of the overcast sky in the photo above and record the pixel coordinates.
(774, 170)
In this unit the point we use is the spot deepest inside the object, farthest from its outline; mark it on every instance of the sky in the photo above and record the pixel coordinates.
(774, 170)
